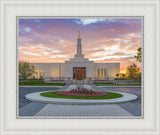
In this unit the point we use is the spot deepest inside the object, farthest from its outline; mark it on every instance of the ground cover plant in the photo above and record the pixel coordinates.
(82, 93)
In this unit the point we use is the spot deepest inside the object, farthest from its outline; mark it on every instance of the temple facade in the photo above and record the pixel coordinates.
(77, 68)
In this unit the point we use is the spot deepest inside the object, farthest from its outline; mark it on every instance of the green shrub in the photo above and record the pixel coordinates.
(30, 82)
(38, 82)
(104, 83)
(120, 79)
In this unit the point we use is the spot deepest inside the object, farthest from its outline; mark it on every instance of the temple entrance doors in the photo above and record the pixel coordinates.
(79, 73)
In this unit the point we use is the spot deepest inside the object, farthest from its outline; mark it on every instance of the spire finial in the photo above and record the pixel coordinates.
(79, 34)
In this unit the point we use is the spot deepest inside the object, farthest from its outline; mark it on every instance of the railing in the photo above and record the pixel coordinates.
(117, 83)
(70, 78)
(109, 81)
(127, 82)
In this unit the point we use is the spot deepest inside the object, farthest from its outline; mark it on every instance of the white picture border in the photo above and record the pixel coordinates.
(11, 125)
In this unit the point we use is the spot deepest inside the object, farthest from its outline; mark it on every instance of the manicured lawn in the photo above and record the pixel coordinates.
(53, 95)
(118, 85)
(39, 83)
(104, 83)
(45, 84)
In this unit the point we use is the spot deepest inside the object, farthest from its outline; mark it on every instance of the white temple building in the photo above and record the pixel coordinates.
(78, 68)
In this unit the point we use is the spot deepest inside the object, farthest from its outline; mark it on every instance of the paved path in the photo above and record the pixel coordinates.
(82, 110)
(129, 109)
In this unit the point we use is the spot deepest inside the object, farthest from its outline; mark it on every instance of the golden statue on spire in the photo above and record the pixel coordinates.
(79, 34)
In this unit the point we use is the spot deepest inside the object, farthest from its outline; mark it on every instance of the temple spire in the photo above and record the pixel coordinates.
(79, 34)
(79, 46)
(79, 56)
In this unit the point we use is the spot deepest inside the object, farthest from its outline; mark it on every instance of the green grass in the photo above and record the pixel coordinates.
(38, 83)
(52, 94)
(118, 85)
(45, 84)
(104, 83)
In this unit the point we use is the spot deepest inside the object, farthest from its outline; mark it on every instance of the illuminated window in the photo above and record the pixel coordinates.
(98, 72)
(104, 72)
(43, 72)
(101, 72)
(40, 72)
(37, 72)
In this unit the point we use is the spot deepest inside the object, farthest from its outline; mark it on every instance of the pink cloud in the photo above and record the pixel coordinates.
(56, 42)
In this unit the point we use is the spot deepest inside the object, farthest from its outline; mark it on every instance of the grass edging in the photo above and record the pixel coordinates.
(112, 95)
(118, 85)
(40, 85)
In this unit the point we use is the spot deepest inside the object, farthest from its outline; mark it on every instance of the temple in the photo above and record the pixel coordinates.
(77, 68)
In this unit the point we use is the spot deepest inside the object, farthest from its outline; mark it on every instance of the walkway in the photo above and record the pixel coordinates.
(129, 109)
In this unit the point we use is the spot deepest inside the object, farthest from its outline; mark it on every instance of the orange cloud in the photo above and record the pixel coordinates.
(116, 41)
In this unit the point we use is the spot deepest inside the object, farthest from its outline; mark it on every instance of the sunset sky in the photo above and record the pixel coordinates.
(103, 39)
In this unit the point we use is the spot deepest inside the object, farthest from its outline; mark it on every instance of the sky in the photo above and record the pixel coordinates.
(48, 40)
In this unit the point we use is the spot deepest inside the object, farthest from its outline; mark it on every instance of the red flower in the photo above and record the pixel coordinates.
(82, 93)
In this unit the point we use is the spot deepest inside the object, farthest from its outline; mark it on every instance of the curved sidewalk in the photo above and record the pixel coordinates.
(36, 97)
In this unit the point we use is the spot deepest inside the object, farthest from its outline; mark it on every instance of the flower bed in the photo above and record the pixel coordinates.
(81, 92)
(109, 95)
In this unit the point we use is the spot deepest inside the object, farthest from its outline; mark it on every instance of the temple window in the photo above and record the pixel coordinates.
(101, 72)
(105, 72)
(98, 72)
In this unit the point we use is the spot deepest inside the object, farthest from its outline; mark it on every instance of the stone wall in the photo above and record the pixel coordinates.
(51, 69)
(111, 69)
(57, 70)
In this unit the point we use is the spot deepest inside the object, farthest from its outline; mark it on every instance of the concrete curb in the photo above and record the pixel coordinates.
(36, 97)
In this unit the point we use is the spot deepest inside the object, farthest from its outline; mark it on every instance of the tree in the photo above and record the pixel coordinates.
(138, 56)
(117, 75)
(123, 75)
(25, 70)
(133, 72)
